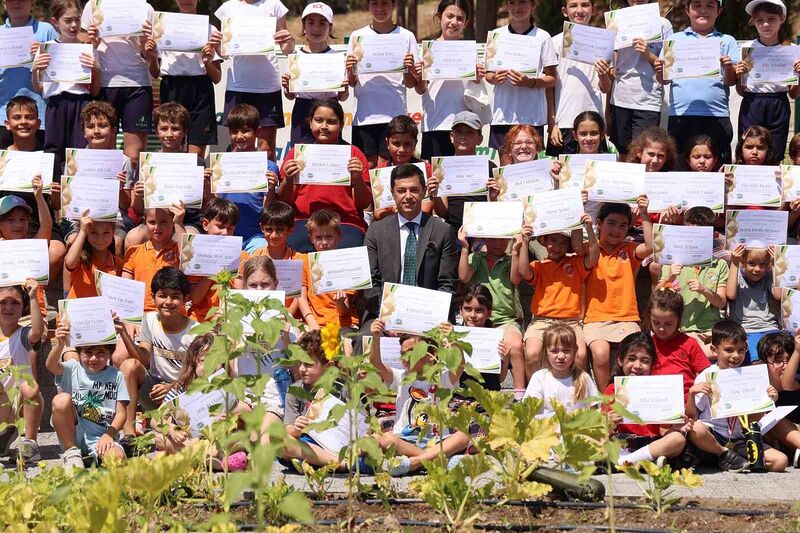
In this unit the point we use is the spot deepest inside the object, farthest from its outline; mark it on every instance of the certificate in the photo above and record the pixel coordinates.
(771, 64)
(390, 350)
(739, 391)
(755, 229)
(65, 62)
(754, 185)
(485, 344)
(449, 60)
(587, 44)
(183, 159)
(15, 46)
(17, 170)
(692, 58)
(85, 163)
(521, 180)
(239, 172)
(89, 320)
(786, 266)
(509, 51)
(554, 211)
(316, 73)
(207, 255)
(462, 175)
(242, 36)
(323, 164)
(339, 270)
(256, 296)
(337, 437)
(381, 184)
(246, 364)
(493, 219)
(118, 17)
(412, 309)
(180, 32)
(21, 259)
(379, 54)
(92, 194)
(790, 309)
(573, 168)
(125, 296)
(684, 190)
(642, 21)
(166, 185)
(290, 275)
(683, 245)
(654, 399)
(197, 407)
(790, 183)
(608, 181)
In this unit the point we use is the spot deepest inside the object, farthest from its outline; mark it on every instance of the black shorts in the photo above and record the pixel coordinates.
(770, 110)
(371, 139)
(269, 105)
(301, 130)
(627, 124)
(64, 128)
(437, 144)
(196, 94)
(683, 128)
(568, 144)
(134, 107)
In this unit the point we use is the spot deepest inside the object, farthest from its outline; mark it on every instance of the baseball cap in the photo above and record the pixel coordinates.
(753, 4)
(7, 203)
(319, 8)
(469, 118)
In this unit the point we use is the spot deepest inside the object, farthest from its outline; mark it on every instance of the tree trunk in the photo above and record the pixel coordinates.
(401, 14)
(485, 19)
(469, 31)
(412, 16)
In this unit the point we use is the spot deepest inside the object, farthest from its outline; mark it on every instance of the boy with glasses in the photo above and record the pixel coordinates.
(774, 350)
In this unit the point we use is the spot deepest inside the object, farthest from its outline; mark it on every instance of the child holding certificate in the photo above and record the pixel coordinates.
(589, 130)
(654, 148)
(774, 350)
(92, 249)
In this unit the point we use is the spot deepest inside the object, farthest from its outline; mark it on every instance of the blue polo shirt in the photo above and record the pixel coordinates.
(703, 96)
(17, 81)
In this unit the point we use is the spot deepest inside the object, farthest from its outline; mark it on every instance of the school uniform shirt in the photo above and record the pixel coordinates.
(698, 314)
(323, 306)
(319, 96)
(558, 287)
(577, 88)
(764, 88)
(441, 102)
(410, 420)
(754, 307)
(521, 105)
(199, 309)
(121, 61)
(702, 96)
(381, 97)
(641, 430)
(718, 425)
(15, 350)
(184, 63)
(52, 88)
(250, 205)
(550, 389)
(635, 84)
(680, 355)
(611, 286)
(169, 347)
(257, 73)
(82, 280)
(497, 279)
(143, 261)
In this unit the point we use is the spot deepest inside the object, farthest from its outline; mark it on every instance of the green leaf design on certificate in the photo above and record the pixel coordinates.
(133, 320)
(109, 339)
(366, 284)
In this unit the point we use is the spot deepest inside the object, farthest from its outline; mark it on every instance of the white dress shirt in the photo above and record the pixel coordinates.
(404, 232)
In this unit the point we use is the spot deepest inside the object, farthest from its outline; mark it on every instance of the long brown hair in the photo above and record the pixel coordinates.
(197, 349)
(563, 335)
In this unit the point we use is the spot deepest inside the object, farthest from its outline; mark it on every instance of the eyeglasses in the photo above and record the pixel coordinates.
(519, 144)
(782, 362)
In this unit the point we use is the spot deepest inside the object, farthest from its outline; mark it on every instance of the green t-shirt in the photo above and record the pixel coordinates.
(698, 314)
(498, 281)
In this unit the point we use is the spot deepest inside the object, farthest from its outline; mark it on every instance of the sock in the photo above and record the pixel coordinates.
(642, 454)
(519, 393)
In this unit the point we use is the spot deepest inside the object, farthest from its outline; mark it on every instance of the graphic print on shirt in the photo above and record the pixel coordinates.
(90, 404)
(418, 420)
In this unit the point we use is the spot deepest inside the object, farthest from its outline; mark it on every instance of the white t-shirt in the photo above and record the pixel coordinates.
(409, 418)
(169, 348)
(253, 74)
(16, 351)
(577, 88)
(441, 102)
(184, 63)
(52, 88)
(549, 388)
(380, 97)
(521, 105)
(319, 96)
(121, 61)
(635, 85)
(764, 88)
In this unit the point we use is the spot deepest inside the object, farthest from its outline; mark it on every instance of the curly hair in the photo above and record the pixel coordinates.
(654, 135)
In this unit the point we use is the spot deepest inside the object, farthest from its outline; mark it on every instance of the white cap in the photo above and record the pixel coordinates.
(319, 8)
(751, 6)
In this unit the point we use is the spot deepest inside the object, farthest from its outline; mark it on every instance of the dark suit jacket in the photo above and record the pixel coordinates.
(437, 259)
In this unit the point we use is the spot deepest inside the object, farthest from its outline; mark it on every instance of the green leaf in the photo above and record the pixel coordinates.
(297, 506)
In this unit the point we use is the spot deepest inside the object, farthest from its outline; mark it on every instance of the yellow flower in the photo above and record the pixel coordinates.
(331, 341)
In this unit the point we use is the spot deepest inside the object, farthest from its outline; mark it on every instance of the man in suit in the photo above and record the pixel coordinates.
(409, 247)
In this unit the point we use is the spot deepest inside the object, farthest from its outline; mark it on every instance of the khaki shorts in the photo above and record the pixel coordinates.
(703, 338)
(609, 331)
(538, 326)
(511, 328)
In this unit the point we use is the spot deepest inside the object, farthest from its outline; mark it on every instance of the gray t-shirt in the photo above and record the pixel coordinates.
(294, 406)
(754, 307)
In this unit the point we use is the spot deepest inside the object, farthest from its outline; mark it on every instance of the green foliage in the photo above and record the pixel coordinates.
(657, 482)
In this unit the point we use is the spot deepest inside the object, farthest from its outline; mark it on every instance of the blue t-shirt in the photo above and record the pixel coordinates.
(703, 96)
(250, 206)
(95, 398)
(17, 81)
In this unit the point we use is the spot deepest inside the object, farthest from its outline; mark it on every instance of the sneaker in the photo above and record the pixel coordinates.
(731, 461)
(403, 468)
(661, 461)
(29, 450)
(72, 458)
(796, 460)
(6, 438)
(237, 461)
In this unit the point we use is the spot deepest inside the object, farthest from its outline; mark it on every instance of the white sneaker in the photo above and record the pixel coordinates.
(72, 458)
(29, 449)
(661, 461)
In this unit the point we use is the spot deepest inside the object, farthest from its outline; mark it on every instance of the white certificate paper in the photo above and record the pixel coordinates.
(21, 259)
(683, 245)
(390, 350)
(323, 164)
(339, 270)
(790, 309)
(198, 407)
(89, 320)
(243, 36)
(65, 65)
(521, 180)
(771, 64)
(15, 46)
(493, 219)
(85, 163)
(449, 60)
(573, 168)
(379, 54)
(739, 391)
(316, 73)
(654, 399)
(239, 172)
(609, 181)
(380, 182)
(509, 51)
(17, 170)
(485, 344)
(755, 228)
(790, 183)
(692, 58)
(642, 21)
(166, 185)
(412, 309)
(180, 32)
(335, 438)
(786, 266)
(92, 194)
(118, 17)
(125, 296)
(462, 175)
(207, 255)
(290, 275)
(587, 44)
(754, 185)
(554, 211)
(684, 190)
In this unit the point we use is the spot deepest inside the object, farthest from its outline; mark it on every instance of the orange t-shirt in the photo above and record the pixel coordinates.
(83, 285)
(323, 305)
(558, 287)
(199, 310)
(287, 255)
(611, 286)
(143, 261)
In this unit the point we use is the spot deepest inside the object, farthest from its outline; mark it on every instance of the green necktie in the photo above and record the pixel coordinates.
(410, 257)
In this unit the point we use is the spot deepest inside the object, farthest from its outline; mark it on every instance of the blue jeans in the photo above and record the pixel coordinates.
(283, 379)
